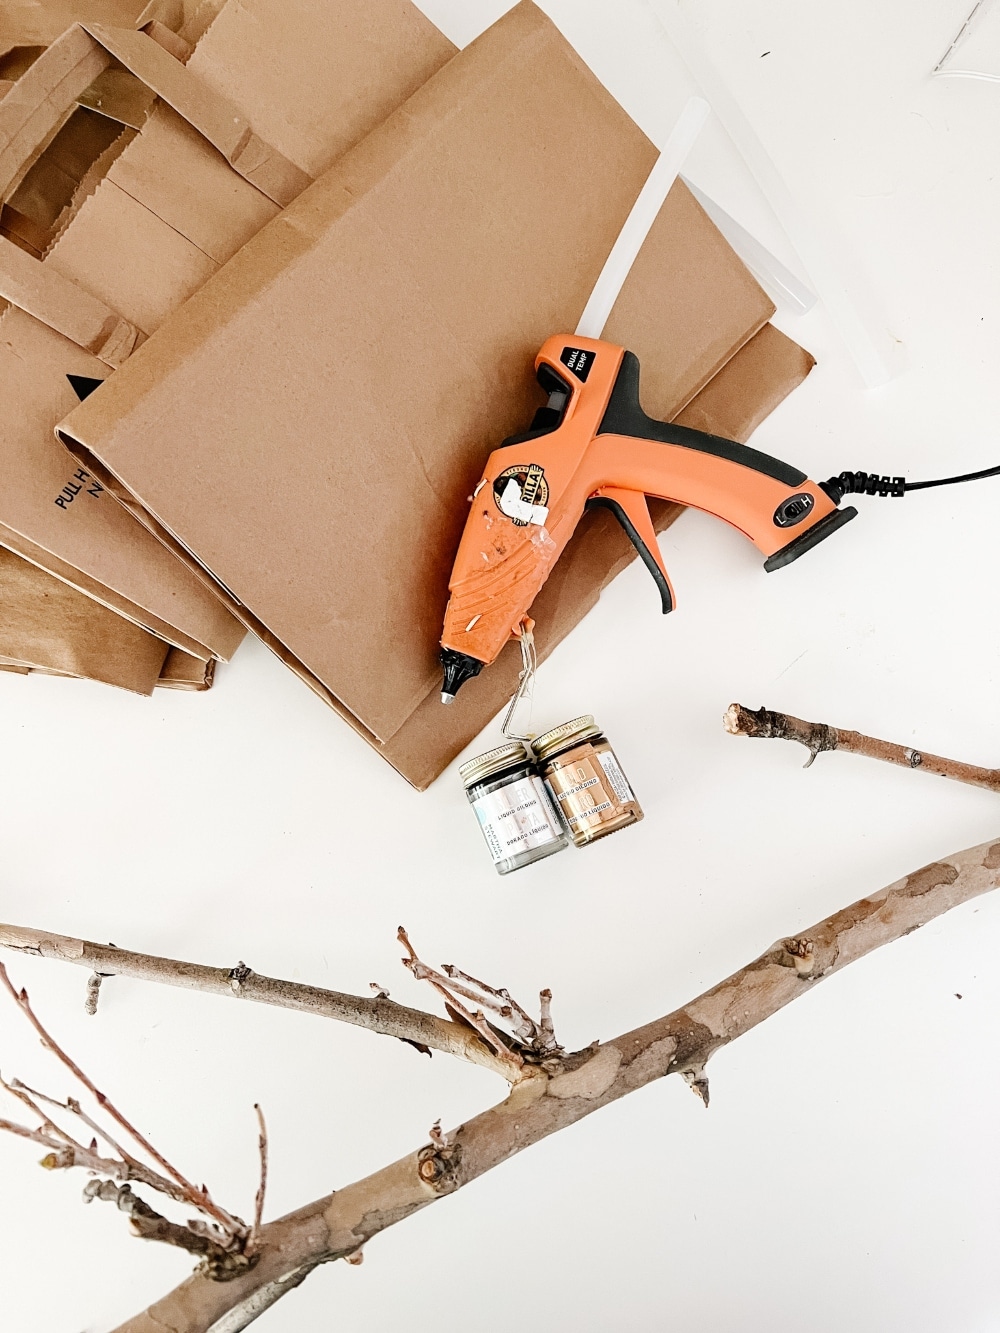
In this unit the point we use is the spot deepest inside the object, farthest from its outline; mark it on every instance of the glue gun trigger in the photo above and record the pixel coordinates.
(632, 512)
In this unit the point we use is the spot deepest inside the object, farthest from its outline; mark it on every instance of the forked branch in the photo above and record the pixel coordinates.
(543, 1102)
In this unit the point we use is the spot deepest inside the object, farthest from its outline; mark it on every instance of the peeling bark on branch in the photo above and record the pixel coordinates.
(818, 736)
(544, 1102)
(377, 1014)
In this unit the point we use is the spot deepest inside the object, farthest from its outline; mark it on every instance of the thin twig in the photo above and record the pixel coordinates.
(258, 1211)
(129, 1168)
(199, 1198)
(72, 1107)
(526, 1029)
(533, 1037)
(818, 736)
(63, 1155)
(474, 1018)
(26, 1096)
(36, 1135)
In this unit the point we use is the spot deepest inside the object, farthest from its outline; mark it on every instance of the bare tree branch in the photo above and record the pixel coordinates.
(378, 1014)
(543, 1102)
(818, 736)
(64, 1154)
(198, 1197)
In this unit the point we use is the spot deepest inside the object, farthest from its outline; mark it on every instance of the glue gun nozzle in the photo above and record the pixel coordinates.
(458, 668)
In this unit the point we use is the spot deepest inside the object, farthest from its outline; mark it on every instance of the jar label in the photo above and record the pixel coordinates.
(615, 776)
(517, 818)
(582, 791)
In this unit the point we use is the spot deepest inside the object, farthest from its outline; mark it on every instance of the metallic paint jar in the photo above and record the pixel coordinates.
(585, 778)
(513, 806)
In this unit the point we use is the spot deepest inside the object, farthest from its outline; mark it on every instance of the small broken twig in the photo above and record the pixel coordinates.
(818, 736)
(258, 1210)
(93, 992)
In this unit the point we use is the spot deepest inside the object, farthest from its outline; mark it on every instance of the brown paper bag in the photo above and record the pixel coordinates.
(27, 26)
(354, 363)
(48, 628)
(169, 211)
(45, 624)
(181, 671)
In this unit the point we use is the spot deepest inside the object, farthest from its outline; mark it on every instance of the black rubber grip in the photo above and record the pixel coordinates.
(624, 416)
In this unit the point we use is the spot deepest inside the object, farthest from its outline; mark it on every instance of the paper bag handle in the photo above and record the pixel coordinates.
(58, 302)
(33, 110)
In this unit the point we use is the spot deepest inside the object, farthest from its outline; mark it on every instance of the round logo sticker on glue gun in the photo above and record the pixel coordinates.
(521, 492)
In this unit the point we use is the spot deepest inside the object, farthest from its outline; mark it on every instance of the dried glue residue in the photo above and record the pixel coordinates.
(543, 541)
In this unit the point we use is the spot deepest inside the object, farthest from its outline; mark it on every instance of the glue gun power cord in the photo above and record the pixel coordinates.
(870, 483)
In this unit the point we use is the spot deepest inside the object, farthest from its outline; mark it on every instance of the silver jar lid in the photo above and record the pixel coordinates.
(570, 733)
(475, 770)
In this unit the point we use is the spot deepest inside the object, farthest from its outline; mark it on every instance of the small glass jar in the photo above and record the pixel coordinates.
(586, 779)
(513, 806)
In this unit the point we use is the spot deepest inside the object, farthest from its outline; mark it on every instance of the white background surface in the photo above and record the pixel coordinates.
(845, 1176)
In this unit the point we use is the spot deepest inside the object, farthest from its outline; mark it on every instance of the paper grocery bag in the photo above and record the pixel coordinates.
(45, 624)
(355, 362)
(158, 214)
(181, 671)
(48, 628)
(26, 26)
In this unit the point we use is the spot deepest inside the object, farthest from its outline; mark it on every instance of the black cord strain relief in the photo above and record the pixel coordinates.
(864, 483)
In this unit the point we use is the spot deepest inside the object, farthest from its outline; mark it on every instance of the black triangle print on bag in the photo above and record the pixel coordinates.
(83, 385)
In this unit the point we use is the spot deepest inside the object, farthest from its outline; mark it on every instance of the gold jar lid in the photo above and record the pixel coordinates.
(570, 733)
(475, 770)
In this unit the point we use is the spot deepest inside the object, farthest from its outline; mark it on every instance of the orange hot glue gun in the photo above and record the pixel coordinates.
(592, 444)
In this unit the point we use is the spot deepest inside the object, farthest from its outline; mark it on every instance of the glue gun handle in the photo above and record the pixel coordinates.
(632, 512)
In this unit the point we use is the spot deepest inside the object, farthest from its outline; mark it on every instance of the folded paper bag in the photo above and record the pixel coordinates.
(48, 628)
(47, 625)
(355, 362)
(143, 232)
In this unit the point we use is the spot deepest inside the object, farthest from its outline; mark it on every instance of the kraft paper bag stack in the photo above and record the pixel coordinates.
(306, 431)
(49, 628)
(153, 217)
(47, 625)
